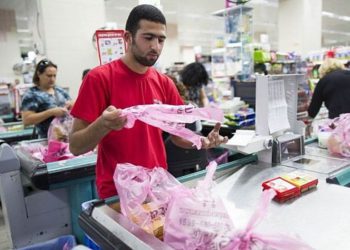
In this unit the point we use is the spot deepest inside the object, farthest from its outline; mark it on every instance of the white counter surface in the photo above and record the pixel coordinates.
(320, 217)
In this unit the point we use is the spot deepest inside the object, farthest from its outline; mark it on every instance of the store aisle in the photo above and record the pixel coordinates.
(4, 241)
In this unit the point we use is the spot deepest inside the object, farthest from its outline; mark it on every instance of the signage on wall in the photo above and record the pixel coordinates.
(110, 45)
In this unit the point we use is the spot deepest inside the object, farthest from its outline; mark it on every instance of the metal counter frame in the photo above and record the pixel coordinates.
(17, 135)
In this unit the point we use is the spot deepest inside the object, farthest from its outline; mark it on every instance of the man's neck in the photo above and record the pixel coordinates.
(134, 65)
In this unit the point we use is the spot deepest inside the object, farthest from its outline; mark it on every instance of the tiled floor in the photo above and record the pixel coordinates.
(4, 240)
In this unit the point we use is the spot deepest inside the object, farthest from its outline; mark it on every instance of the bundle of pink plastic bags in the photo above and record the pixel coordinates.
(191, 218)
(172, 119)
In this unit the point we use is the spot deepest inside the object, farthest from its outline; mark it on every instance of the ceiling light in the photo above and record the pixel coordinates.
(23, 31)
(336, 32)
(335, 16)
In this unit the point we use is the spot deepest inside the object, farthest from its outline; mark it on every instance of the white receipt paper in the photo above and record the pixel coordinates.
(278, 109)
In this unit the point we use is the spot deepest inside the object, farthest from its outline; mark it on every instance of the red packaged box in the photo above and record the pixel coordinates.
(284, 189)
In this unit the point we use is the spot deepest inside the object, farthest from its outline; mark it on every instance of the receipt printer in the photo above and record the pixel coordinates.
(247, 142)
(287, 146)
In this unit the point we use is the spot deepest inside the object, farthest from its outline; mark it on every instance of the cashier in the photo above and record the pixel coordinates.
(128, 81)
(333, 89)
(45, 101)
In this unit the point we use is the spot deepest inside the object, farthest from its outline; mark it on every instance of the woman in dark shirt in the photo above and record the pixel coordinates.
(194, 76)
(44, 101)
(333, 89)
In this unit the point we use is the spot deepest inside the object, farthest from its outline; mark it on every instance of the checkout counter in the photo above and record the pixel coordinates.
(42, 201)
(320, 217)
(8, 117)
(15, 131)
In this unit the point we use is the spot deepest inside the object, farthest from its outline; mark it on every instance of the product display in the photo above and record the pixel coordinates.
(290, 185)
(284, 189)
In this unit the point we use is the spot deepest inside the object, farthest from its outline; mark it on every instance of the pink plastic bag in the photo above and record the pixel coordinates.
(36, 149)
(171, 118)
(60, 128)
(57, 139)
(197, 219)
(339, 141)
(57, 151)
(248, 239)
(144, 195)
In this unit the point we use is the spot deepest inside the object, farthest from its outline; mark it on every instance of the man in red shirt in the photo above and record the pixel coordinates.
(126, 82)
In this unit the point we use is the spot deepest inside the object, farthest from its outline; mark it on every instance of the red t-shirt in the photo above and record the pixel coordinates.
(115, 84)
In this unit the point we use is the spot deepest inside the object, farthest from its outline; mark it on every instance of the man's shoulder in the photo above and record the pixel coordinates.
(155, 73)
(105, 69)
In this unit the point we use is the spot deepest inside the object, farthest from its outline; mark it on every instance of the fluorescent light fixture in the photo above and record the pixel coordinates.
(265, 3)
(24, 31)
(336, 16)
(26, 39)
(336, 32)
(22, 18)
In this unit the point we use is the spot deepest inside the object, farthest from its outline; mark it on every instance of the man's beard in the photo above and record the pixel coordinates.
(142, 59)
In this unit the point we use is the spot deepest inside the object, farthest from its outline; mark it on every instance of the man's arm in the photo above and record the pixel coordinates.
(85, 136)
(213, 139)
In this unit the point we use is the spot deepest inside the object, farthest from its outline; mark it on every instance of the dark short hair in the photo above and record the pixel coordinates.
(143, 12)
(40, 68)
(84, 73)
(194, 74)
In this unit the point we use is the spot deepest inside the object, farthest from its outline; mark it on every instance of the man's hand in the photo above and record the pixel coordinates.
(112, 118)
(214, 139)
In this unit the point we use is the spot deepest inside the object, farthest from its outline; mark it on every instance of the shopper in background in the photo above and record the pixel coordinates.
(194, 76)
(120, 84)
(84, 73)
(181, 88)
(333, 89)
(44, 101)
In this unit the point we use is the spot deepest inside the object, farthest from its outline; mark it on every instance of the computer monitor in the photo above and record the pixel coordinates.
(245, 90)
